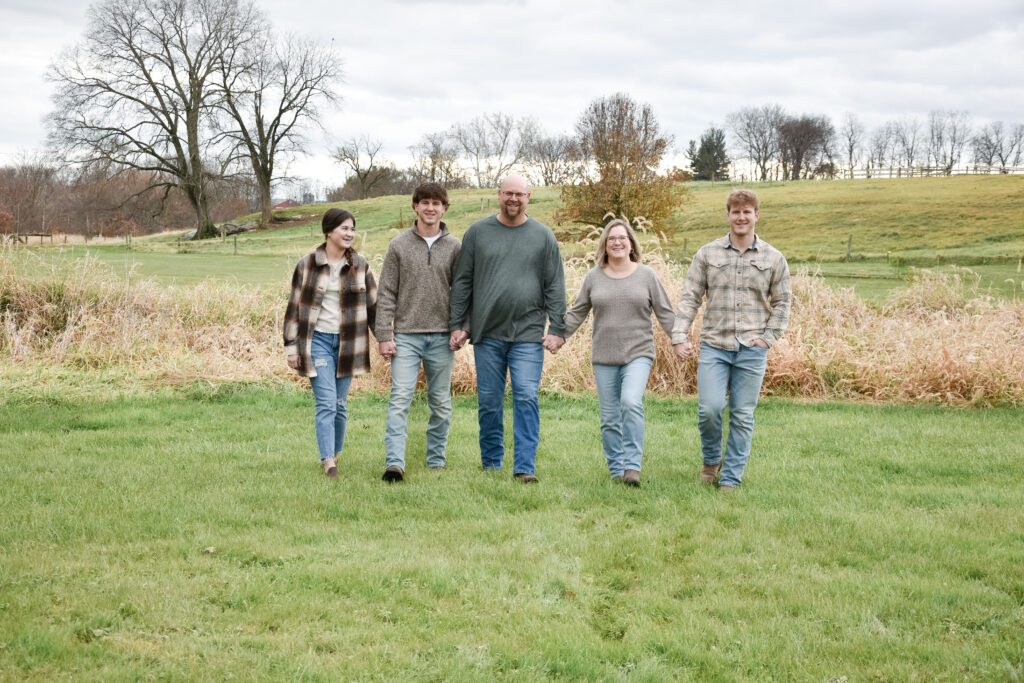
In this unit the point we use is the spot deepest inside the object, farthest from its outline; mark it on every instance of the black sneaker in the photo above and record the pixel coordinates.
(393, 473)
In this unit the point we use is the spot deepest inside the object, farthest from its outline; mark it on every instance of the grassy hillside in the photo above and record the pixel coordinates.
(894, 223)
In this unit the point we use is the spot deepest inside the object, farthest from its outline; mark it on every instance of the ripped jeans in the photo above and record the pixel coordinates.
(330, 394)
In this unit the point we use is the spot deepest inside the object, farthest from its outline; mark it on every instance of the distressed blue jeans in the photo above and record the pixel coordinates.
(738, 373)
(523, 363)
(620, 393)
(438, 360)
(330, 394)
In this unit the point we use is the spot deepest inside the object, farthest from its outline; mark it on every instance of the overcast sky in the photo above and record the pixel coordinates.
(417, 67)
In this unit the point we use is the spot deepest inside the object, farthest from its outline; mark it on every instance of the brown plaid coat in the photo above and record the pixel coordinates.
(358, 311)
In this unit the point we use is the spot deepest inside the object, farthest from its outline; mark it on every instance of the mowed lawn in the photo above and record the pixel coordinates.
(192, 536)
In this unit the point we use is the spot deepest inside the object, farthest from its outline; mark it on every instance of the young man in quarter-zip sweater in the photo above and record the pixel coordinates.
(412, 326)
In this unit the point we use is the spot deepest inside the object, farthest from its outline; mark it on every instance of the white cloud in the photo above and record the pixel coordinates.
(417, 67)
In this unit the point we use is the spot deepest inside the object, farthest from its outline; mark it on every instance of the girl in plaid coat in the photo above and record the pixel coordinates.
(331, 310)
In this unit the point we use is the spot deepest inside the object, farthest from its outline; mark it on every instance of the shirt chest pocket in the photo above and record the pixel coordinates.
(354, 288)
(719, 273)
(758, 275)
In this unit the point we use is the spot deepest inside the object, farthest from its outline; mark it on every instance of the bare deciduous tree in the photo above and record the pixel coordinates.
(270, 89)
(553, 158)
(907, 136)
(494, 144)
(28, 191)
(948, 134)
(999, 142)
(805, 143)
(756, 132)
(362, 156)
(882, 148)
(139, 90)
(437, 160)
(851, 136)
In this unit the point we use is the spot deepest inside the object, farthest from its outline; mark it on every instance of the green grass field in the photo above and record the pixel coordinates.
(973, 221)
(191, 536)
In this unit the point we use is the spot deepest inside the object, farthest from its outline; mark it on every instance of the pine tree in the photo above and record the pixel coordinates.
(709, 161)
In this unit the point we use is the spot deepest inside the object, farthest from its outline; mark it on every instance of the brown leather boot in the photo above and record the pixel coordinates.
(709, 473)
(331, 468)
(631, 478)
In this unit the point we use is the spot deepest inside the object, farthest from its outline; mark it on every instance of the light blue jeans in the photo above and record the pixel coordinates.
(523, 362)
(330, 394)
(620, 393)
(438, 360)
(739, 373)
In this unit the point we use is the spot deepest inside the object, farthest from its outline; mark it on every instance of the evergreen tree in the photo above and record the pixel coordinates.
(709, 160)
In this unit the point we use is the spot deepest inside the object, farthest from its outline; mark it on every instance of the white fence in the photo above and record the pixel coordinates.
(895, 172)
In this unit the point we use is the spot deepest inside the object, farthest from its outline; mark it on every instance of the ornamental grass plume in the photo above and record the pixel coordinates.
(941, 340)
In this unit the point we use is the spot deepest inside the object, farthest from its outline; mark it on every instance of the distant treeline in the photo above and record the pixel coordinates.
(38, 198)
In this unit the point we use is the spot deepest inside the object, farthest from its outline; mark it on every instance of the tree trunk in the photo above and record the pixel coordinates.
(267, 214)
(195, 191)
(205, 228)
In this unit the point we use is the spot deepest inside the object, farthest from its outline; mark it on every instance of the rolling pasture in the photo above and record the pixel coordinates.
(163, 516)
(887, 226)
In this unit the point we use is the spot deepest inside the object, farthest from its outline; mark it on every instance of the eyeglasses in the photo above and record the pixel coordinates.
(516, 195)
(618, 239)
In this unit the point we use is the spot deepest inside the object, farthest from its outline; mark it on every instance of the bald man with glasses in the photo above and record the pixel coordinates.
(510, 282)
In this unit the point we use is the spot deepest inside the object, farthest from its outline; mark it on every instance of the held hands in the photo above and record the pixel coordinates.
(387, 349)
(683, 350)
(457, 339)
(293, 361)
(552, 342)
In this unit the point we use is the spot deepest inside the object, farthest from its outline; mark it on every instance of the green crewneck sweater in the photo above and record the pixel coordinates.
(511, 281)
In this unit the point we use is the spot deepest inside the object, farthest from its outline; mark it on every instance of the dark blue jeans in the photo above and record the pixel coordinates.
(523, 361)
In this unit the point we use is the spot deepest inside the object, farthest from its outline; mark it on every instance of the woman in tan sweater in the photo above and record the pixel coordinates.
(622, 293)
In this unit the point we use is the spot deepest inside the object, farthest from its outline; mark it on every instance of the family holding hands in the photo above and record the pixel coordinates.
(503, 290)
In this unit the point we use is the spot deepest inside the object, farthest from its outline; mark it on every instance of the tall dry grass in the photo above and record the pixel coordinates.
(941, 340)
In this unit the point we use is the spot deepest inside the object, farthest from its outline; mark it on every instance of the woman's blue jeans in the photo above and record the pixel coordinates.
(330, 394)
(620, 393)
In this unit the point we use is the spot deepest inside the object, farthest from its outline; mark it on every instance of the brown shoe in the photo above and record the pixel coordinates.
(631, 478)
(526, 478)
(727, 489)
(331, 468)
(393, 473)
(709, 473)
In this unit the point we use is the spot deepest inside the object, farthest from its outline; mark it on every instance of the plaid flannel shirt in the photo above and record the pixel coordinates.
(358, 311)
(748, 295)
